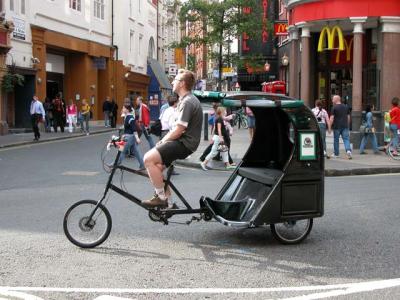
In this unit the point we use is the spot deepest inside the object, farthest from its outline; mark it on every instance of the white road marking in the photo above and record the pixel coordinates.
(79, 173)
(356, 288)
(18, 295)
(347, 288)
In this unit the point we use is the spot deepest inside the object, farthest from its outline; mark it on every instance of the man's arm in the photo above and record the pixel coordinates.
(174, 134)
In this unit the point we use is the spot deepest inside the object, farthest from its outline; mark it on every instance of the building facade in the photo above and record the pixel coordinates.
(80, 49)
(345, 47)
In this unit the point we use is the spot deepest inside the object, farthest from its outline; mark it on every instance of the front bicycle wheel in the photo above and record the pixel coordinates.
(394, 154)
(292, 232)
(244, 123)
(82, 231)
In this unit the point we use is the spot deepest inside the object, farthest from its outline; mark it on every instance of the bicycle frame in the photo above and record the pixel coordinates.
(157, 211)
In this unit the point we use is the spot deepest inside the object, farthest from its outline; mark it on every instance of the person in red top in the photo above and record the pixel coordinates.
(395, 124)
(72, 115)
(142, 113)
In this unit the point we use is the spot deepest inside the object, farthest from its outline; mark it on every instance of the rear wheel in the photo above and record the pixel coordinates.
(292, 232)
(394, 154)
(82, 231)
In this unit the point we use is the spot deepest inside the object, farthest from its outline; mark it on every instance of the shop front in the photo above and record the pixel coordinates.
(345, 48)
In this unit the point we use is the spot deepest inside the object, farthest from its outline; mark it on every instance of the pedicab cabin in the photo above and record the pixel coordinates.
(280, 180)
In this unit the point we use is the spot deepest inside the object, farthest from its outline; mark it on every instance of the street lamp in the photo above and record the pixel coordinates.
(285, 60)
(267, 66)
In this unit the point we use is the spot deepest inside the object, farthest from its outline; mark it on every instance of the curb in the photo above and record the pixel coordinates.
(23, 143)
(328, 172)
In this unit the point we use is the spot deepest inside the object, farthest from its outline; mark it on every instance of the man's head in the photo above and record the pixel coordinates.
(138, 100)
(395, 101)
(108, 98)
(183, 82)
(336, 99)
(35, 98)
(172, 100)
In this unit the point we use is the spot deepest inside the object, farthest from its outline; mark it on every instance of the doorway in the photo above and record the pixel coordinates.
(54, 85)
(23, 98)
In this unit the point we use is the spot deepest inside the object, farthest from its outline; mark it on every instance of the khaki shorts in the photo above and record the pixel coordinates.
(171, 151)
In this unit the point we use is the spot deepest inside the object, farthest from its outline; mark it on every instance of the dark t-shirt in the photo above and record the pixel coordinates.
(219, 120)
(129, 124)
(340, 114)
(190, 115)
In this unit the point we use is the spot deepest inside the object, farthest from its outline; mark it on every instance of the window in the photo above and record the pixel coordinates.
(140, 44)
(75, 5)
(12, 7)
(131, 40)
(22, 7)
(99, 9)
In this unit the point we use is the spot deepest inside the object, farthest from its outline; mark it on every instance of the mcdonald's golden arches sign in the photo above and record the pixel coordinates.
(327, 39)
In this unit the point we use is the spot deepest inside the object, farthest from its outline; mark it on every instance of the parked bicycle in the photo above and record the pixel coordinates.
(240, 119)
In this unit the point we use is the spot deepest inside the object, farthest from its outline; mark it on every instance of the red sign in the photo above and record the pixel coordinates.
(281, 28)
(3, 38)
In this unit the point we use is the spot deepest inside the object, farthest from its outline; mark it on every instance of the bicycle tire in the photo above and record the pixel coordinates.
(84, 231)
(389, 152)
(285, 232)
(244, 123)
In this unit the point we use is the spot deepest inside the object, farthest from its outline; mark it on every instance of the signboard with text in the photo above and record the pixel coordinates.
(281, 28)
(19, 28)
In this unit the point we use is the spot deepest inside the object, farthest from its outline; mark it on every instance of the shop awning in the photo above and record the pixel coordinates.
(159, 73)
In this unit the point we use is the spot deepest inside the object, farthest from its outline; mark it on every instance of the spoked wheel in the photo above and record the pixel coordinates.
(292, 232)
(83, 232)
(392, 152)
(243, 123)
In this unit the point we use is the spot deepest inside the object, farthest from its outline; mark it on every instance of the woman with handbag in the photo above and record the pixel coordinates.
(218, 142)
(323, 122)
(369, 132)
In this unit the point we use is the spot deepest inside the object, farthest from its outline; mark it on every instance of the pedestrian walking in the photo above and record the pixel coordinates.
(219, 144)
(323, 122)
(340, 121)
(48, 108)
(72, 115)
(113, 113)
(85, 113)
(142, 113)
(58, 113)
(395, 125)
(179, 143)
(131, 137)
(369, 132)
(37, 115)
(107, 109)
(251, 122)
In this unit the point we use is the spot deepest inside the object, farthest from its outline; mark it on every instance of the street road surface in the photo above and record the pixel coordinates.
(351, 253)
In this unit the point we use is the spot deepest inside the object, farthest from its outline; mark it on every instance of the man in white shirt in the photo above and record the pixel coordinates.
(37, 115)
(168, 116)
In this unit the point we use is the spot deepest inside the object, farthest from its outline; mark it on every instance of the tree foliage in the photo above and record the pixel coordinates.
(215, 24)
(11, 80)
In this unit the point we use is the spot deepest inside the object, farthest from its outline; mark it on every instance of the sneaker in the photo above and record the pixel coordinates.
(203, 166)
(349, 156)
(364, 152)
(155, 202)
(334, 156)
(230, 167)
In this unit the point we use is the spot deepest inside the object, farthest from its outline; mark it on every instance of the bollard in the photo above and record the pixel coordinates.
(205, 126)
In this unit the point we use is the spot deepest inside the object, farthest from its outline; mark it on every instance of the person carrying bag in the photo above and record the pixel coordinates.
(367, 130)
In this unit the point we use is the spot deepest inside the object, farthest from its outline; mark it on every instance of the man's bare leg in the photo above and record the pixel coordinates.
(154, 166)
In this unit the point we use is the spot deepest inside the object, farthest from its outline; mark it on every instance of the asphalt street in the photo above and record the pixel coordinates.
(351, 253)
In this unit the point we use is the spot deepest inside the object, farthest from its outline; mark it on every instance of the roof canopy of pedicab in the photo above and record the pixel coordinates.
(248, 98)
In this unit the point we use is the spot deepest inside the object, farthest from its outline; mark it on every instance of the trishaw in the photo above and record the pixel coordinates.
(279, 181)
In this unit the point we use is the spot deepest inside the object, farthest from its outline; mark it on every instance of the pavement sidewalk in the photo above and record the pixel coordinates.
(26, 138)
(359, 165)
